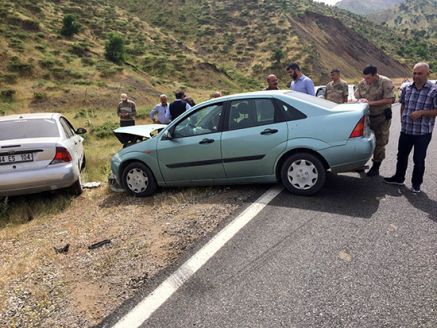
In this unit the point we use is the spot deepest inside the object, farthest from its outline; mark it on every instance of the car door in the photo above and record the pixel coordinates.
(193, 152)
(255, 135)
(74, 141)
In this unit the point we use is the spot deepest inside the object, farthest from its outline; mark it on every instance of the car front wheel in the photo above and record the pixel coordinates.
(138, 180)
(303, 174)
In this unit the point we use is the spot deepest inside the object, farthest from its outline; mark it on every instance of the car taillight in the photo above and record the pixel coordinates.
(358, 131)
(62, 156)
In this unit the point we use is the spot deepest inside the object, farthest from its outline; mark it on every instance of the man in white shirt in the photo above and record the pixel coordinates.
(160, 111)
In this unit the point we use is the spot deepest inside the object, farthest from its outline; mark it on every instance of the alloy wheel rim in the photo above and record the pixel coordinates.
(137, 180)
(302, 174)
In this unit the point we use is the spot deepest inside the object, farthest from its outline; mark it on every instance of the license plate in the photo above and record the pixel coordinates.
(16, 158)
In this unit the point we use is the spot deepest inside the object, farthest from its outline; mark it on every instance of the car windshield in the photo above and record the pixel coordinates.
(23, 129)
(321, 102)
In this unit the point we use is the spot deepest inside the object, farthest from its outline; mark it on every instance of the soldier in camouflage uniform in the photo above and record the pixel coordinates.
(377, 91)
(337, 90)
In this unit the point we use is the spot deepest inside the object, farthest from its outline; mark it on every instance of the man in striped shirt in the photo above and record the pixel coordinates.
(418, 112)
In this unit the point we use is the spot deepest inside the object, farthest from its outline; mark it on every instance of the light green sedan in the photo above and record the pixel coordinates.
(259, 137)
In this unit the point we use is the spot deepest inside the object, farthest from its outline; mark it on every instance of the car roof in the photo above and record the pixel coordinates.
(263, 93)
(30, 116)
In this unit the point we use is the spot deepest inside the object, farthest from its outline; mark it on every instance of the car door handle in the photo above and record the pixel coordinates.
(206, 141)
(269, 131)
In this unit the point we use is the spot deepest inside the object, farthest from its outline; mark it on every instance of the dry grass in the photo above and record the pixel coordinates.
(79, 288)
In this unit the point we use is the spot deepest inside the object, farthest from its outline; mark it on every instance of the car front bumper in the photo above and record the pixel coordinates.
(28, 182)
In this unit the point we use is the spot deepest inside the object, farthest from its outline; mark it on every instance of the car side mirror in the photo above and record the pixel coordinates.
(167, 135)
(80, 131)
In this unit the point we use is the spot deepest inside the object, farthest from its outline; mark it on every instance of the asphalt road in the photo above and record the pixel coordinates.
(359, 254)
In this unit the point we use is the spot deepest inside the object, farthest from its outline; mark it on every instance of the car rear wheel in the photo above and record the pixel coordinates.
(76, 189)
(138, 180)
(303, 174)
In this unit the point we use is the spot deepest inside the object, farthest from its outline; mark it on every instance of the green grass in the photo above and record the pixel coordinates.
(22, 209)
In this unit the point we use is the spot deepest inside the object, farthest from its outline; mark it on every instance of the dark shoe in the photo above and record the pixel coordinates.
(394, 180)
(374, 170)
(415, 189)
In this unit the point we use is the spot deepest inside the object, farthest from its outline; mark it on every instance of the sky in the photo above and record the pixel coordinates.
(328, 2)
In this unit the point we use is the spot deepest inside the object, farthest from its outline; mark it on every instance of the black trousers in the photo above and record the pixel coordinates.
(127, 123)
(420, 144)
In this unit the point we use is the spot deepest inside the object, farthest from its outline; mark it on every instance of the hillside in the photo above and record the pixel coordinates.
(367, 7)
(43, 68)
(418, 17)
(248, 35)
(416, 20)
(200, 46)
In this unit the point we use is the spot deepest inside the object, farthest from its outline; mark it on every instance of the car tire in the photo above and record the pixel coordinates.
(303, 174)
(76, 189)
(138, 180)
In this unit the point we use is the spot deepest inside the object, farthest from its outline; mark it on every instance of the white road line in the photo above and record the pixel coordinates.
(143, 310)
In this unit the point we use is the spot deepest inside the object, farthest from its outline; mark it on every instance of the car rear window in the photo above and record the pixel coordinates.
(320, 102)
(23, 129)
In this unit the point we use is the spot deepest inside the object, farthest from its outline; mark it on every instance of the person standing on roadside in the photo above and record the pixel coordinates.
(272, 82)
(300, 82)
(418, 113)
(160, 110)
(178, 106)
(126, 111)
(337, 89)
(377, 91)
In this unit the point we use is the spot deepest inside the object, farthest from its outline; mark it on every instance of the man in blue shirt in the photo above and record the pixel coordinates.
(418, 113)
(300, 82)
(160, 110)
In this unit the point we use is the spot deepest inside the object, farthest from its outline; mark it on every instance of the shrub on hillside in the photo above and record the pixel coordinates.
(9, 78)
(70, 26)
(114, 48)
(15, 65)
(104, 130)
(85, 113)
(80, 49)
(107, 69)
(7, 95)
(39, 96)
(277, 55)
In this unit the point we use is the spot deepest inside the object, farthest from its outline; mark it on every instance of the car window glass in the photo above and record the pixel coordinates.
(203, 121)
(66, 128)
(28, 128)
(290, 112)
(69, 125)
(247, 113)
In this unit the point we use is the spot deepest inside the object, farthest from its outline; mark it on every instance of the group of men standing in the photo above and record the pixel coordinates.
(162, 113)
(418, 111)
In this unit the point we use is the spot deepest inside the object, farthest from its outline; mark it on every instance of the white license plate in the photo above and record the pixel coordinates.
(16, 158)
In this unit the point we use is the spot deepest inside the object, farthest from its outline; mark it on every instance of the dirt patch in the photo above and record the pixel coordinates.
(341, 47)
(44, 288)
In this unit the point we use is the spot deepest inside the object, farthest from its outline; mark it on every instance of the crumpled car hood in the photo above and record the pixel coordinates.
(141, 130)
(129, 135)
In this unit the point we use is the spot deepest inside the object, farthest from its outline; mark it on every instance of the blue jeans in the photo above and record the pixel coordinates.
(420, 144)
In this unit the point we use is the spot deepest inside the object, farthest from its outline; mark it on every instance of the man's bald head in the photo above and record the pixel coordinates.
(420, 74)
(272, 82)
(422, 66)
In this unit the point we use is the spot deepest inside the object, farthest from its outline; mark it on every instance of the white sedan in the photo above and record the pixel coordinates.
(39, 152)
